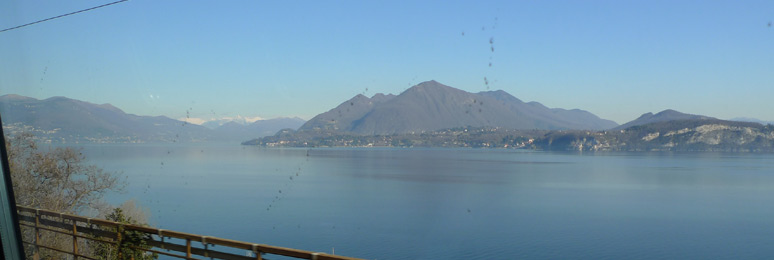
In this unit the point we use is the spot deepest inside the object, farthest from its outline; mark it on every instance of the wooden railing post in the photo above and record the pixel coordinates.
(188, 248)
(36, 254)
(119, 230)
(257, 252)
(75, 240)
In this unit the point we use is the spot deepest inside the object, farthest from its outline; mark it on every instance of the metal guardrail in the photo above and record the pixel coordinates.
(160, 241)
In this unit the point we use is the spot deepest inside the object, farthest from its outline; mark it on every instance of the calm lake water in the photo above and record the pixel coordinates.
(457, 203)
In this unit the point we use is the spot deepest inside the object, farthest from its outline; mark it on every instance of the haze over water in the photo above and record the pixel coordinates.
(457, 203)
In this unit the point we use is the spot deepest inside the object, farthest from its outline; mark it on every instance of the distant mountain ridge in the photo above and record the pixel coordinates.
(663, 116)
(434, 115)
(683, 135)
(266, 127)
(65, 120)
(213, 123)
(431, 106)
(344, 115)
(702, 134)
(752, 120)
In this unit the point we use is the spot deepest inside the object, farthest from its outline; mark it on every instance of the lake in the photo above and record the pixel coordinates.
(386, 203)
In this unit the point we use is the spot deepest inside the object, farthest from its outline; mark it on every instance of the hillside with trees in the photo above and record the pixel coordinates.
(676, 135)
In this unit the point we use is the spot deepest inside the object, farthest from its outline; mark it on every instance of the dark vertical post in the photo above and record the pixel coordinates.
(36, 254)
(257, 252)
(188, 248)
(75, 240)
(119, 230)
(10, 233)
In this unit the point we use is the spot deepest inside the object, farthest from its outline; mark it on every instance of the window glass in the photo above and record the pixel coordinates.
(397, 129)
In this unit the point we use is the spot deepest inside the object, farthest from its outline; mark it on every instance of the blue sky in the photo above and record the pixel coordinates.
(616, 59)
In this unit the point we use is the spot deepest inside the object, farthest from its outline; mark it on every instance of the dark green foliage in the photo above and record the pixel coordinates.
(129, 239)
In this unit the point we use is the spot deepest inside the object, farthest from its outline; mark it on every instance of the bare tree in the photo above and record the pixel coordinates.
(56, 179)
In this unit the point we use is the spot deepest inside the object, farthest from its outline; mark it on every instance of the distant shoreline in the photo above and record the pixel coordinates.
(698, 135)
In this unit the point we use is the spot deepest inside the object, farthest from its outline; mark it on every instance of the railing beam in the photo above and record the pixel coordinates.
(101, 230)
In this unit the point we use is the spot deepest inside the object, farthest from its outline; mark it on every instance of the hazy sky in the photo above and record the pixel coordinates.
(616, 59)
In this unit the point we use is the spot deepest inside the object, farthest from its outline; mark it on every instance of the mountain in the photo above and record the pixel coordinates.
(217, 122)
(65, 120)
(431, 106)
(236, 131)
(62, 119)
(343, 116)
(753, 120)
(683, 135)
(675, 135)
(572, 119)
(663, 116)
